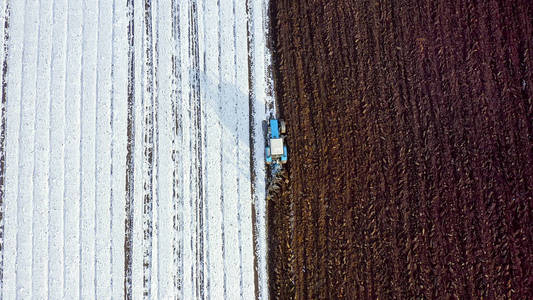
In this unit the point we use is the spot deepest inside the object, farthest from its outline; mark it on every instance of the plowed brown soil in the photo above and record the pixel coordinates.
(410, 137)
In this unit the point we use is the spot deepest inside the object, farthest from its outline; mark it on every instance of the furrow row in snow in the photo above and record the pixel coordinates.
(177, 154)
(196, 150)
(148, 149)
(130, 157)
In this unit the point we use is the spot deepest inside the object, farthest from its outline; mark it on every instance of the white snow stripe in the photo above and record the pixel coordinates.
(155, 159)
(103, 268)
(137, 260)
(41, 155)
(210, 84)
(164, 141)
(72, 179)
(119, 108)
(187, 234)
(87, 149)
(57, 152)
(24, 258)
(228, 117)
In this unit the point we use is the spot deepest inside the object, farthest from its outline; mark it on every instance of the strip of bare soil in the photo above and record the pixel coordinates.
(410, 137)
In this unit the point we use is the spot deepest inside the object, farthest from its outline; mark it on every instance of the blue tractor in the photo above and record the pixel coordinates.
(276, 150)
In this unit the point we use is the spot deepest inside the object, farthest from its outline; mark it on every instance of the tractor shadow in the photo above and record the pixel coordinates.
(228, 105)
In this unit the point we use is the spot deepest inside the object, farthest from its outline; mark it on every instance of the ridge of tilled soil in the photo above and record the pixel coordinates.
(410, 137)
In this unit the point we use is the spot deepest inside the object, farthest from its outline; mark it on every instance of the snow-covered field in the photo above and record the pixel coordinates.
(131, 162)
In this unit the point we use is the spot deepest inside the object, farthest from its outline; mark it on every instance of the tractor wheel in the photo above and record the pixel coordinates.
(282, 127)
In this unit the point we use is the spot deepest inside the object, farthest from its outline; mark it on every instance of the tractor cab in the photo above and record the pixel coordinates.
(276, 150)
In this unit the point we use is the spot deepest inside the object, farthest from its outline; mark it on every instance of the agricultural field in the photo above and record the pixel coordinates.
(131, 149)
(410, 136)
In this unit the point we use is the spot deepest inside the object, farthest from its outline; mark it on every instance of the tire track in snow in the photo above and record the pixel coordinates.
(3, 120)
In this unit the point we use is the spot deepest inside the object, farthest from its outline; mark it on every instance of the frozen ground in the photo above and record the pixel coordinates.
(132, 149)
